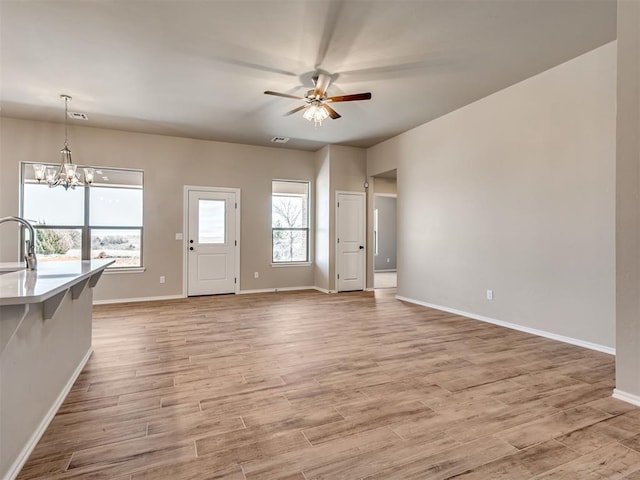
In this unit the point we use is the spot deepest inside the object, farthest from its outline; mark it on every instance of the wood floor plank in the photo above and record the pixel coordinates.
(366, 416)
(552, 426)
(523, 464)
(342, 449)
(586, 440)
(448, 463)
(201, 468)
(304, 385)
(611, 462)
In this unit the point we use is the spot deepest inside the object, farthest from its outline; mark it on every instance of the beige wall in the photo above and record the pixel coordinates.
(385, 185)
(384, 156)
(348, 173)
(169, 163)
(337, 168)
(628, 202)
(515, 193)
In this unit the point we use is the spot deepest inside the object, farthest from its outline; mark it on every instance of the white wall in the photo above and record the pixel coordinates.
(515, 193)
(169, 163)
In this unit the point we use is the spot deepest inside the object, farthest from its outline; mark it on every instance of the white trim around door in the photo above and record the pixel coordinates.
(359, 244)
(185, 229)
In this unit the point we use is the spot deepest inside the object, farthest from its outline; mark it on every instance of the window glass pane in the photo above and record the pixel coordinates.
(211, 221)
(123, 245)
(120, 207)
(117, 178)
(288, 211)
(290, 187)
(290, 245)
(53, 206)
(56, 244)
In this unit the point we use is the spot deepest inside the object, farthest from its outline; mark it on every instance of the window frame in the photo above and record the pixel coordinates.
(86, 228)
(306, 229)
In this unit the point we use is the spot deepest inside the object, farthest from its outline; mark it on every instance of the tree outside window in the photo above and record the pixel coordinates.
(290, 221)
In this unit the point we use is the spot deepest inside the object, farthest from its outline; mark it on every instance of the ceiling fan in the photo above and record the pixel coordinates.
(316, 102)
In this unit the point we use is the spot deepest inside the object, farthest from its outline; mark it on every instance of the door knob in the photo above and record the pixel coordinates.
(361, 247)
(190, 241)
(190, 248)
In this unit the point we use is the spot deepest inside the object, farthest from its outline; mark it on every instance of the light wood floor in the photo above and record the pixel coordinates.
(305, 385)
(385, 279)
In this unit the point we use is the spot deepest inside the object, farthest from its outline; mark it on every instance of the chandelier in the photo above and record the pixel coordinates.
(66, 175)
(316, 112)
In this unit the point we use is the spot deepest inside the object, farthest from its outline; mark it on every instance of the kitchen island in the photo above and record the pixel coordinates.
(45, 341)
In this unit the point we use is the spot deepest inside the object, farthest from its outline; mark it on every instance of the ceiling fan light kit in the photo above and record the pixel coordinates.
(316, 113)
(316, 108)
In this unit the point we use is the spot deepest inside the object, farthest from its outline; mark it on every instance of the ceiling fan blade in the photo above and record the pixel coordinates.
(332, 113)
(350, 98)
(286, 95)
(322, 83)
(297, 109)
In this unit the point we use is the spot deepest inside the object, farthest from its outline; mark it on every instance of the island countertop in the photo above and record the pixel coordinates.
(34, 286)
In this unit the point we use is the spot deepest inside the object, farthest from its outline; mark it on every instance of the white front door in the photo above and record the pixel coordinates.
(211, 242)
(350, 251)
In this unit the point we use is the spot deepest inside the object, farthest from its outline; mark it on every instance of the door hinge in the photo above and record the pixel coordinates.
(235, 280)
(236, 204)
(338, 240)
(338, 204)
(236, 242)
(338, 276)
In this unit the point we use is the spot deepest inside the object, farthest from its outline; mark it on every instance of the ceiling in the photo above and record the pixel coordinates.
(199, 68)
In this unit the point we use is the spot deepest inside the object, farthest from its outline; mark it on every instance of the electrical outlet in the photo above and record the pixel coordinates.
(256, 275)
(179, 236)
(489, 294)
(162, 279)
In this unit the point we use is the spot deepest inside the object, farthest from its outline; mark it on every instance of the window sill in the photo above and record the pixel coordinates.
(292, 264)
(110, 271)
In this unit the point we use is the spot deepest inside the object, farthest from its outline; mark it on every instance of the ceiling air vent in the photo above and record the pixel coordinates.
(280, 139)
(78, 116)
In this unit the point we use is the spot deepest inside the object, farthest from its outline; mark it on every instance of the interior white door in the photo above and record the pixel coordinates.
(350, 241)
(211, 242)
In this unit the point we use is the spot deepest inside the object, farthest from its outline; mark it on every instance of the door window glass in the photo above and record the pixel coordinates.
(211, 221)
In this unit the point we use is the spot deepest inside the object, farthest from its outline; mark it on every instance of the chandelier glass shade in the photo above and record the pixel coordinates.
(66, 175)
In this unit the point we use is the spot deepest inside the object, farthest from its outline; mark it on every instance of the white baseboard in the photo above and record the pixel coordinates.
(385, 271)
(626, 397)
(272, 290)
(139, 299)
(514, 326)
(324, 290)
(17, 465)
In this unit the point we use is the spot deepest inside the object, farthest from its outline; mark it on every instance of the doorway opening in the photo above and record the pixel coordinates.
(385, 265)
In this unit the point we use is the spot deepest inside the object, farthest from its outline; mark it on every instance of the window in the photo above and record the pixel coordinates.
(101, 221)
(290, 221)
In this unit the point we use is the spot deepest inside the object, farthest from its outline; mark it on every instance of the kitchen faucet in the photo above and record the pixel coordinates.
(30, 256)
